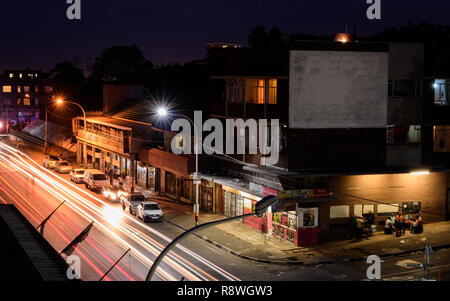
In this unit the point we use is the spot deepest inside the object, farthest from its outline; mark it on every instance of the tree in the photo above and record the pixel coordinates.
(123, 65)
(258, 37)
(67, 72)
(410, 32)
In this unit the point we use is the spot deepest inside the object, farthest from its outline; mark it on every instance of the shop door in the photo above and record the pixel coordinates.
(207, 197)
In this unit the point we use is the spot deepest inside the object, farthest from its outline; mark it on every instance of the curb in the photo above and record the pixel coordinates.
(287, 262)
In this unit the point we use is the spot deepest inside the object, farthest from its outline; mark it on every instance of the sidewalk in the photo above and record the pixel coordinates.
(246, 242)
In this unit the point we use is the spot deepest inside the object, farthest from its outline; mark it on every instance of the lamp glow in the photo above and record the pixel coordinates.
(420, 172)
(162, 112)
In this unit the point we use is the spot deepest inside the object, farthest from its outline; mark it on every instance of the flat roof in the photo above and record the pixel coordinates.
(25, 254)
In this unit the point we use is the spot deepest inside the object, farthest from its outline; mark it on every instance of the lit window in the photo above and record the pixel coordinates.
(26, 89)
(26, 101)
(19, 89)
(20, 75)
(36, 89)
(11, 75)
(256, 91)
(30, 75)
(273, 91)
(441, 91)
(7, 89)
(48, 89)
(19, 101)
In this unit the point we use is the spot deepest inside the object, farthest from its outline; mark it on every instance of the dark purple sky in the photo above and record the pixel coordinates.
(37, 34)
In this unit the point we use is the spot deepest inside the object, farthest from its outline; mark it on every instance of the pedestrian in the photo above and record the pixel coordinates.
(388, 226)
(417, 225)
(398, 225)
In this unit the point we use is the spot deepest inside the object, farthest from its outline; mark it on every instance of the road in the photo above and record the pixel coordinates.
(37, 191)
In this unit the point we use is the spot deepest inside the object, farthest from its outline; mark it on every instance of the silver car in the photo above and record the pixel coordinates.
(77, 175)
(50, 161)
(149, 211)
(63, 167)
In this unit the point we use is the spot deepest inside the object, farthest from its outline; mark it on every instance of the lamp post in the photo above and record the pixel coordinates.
(45, 145)
(259, 210)
(61, 101)
(162, 112)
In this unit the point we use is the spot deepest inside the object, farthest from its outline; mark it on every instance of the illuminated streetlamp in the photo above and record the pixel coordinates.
(60, 101)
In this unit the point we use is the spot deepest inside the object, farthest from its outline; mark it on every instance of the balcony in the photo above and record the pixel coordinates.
(103, 140)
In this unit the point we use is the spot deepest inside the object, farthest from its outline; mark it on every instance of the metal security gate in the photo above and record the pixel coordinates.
(233, 204)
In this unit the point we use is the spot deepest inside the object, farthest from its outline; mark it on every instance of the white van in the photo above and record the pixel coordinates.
(94, 179)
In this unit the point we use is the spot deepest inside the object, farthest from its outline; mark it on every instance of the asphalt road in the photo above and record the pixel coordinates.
(37, 191)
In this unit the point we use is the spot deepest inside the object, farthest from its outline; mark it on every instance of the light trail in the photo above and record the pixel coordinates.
(45, 179)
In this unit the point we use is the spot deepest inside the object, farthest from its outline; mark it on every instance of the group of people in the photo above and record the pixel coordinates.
(363, 225)
(399, 223)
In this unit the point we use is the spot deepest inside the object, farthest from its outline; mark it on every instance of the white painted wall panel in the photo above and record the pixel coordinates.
(338, 89)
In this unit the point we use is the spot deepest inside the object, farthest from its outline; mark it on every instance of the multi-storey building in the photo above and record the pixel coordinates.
(357, 123)
(23, 96)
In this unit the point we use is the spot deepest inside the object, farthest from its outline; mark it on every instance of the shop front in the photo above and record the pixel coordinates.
(169, 173)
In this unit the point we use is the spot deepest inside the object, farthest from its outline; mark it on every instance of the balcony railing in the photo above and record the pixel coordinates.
(102, 140)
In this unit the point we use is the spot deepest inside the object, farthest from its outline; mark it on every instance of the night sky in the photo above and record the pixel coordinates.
(37, 34)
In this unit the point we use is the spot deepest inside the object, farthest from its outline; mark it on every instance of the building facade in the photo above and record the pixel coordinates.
(23, 96)
(357, 121)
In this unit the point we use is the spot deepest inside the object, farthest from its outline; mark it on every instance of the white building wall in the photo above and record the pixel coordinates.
(338, 89)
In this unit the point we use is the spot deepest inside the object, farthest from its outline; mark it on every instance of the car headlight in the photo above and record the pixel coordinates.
(113, 196)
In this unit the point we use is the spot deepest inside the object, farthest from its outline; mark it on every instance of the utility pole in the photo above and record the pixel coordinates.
(45, 145)
(354, 20)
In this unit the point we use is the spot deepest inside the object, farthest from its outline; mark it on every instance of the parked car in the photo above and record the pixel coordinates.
(124, 187)
(77, 175)
(149, 211)
(111, 192)
(94, 179)
(50, 161)
(63, 167)
(131, 201)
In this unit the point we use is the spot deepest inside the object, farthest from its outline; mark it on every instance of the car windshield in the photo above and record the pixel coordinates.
(79, 172)
(54, 158)
(64, 164)
(137, 197)
(151, 207)
(99, 177)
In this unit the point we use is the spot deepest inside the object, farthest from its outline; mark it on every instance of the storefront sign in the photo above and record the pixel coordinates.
(308, 217)
(321, 193)
(269, 191)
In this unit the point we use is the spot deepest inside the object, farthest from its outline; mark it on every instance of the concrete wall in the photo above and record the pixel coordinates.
(338, 89)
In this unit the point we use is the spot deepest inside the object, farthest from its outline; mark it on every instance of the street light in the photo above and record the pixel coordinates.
(62, 101)
(260, 209)
(163, 112)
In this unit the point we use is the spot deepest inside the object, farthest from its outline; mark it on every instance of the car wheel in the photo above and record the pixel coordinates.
(123, 206)
(131, 211)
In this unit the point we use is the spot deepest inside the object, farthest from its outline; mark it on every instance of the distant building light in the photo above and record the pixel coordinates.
(343, 37)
